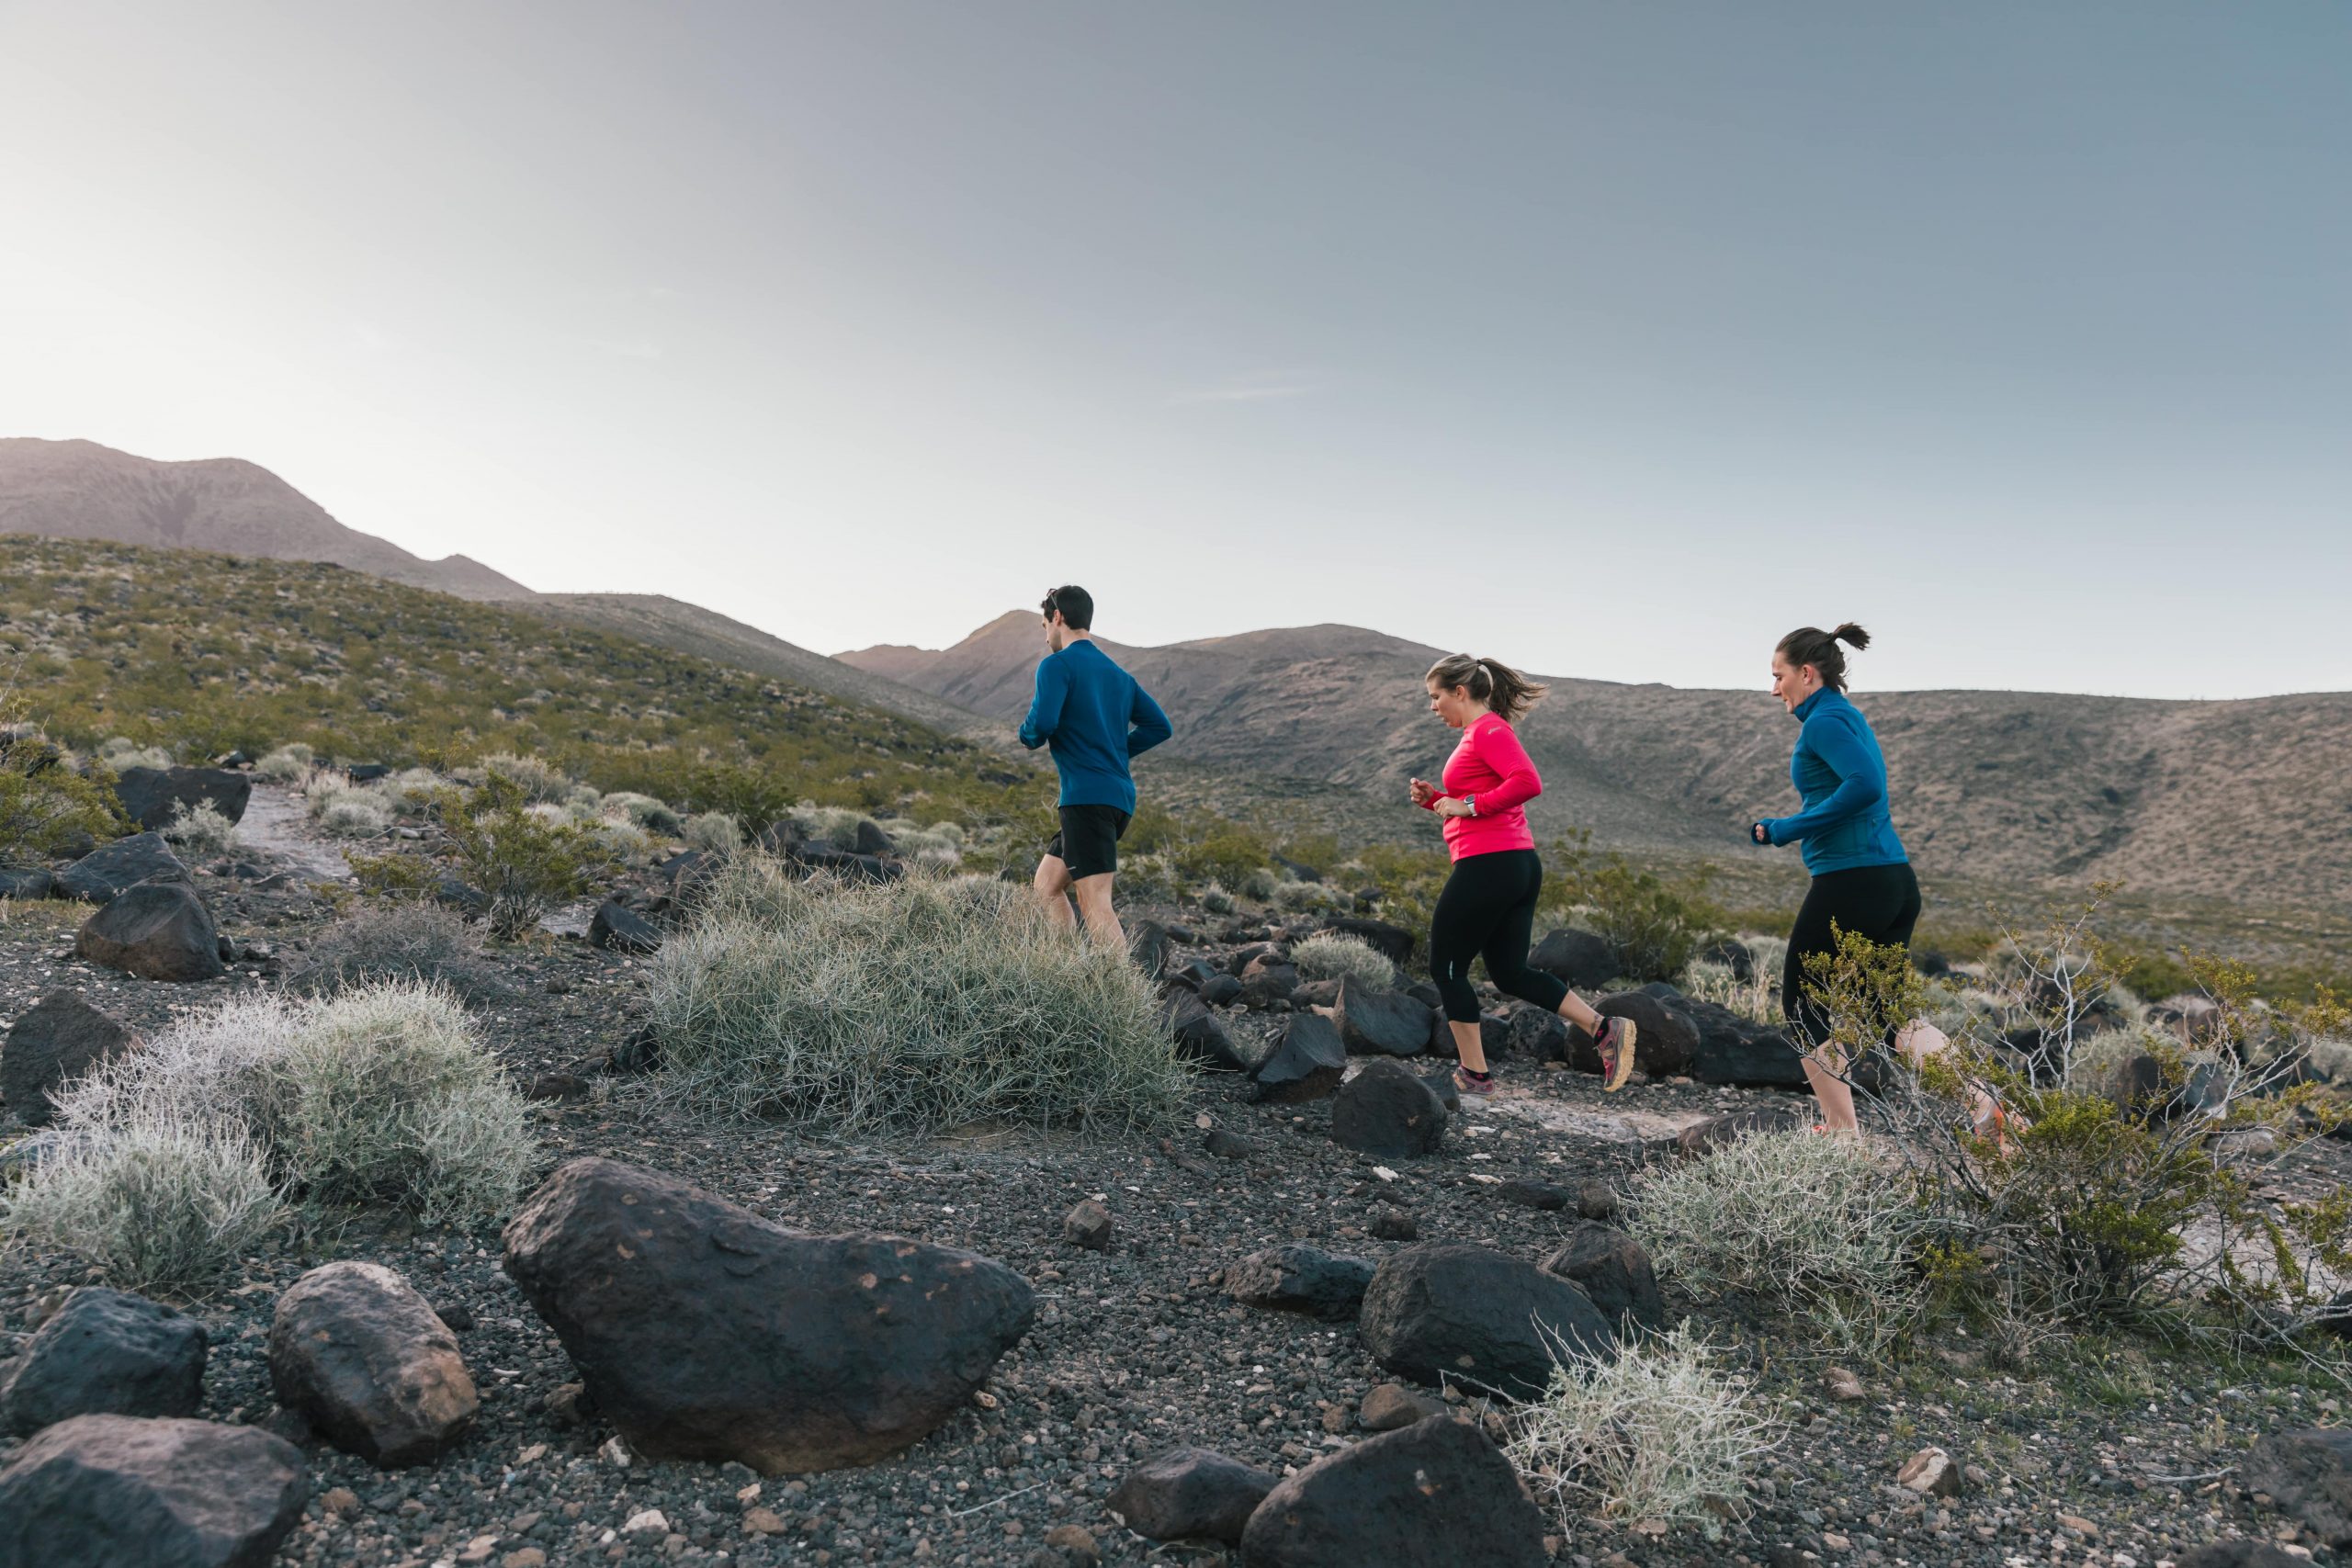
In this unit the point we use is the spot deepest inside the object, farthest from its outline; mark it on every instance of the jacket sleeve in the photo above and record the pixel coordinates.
(1150, 727)
(1861, 784)
(1498, 746)
(1046, 707)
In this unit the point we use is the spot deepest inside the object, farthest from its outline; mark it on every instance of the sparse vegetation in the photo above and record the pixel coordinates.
(1654, 923)
(1334, 956)
(525, 863)
(44, 803)
(401, 939)
(1650, 1432)
(201, 831)
(714, 832)
(911, 1006)
(285, 765)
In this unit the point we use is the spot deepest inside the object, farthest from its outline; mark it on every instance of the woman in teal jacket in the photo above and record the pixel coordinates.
(1863, 880)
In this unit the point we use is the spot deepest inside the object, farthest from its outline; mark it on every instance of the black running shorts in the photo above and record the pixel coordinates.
(1089, 841)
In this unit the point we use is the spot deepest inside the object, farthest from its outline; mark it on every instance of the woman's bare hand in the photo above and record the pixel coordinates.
(1424, 791)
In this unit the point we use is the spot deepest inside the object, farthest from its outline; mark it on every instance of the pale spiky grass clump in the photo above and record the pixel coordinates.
(404, 939)
(1332, 955)
(715, 831)
(1651, 1432)
(344, 809)
(120, 752)
(1814, 1225)
(1301, 898)
(201, 830)
(384, 1094)
(539, 779)
(654, 816)
(1755, 999)
(287, 764)
(913, 1005)
(162, 1207)
(1216, 899)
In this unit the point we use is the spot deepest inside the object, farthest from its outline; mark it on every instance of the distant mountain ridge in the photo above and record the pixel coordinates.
(2249, 800)
(79, 489)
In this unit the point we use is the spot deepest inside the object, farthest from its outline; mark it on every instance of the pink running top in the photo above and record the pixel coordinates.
(1492, 765)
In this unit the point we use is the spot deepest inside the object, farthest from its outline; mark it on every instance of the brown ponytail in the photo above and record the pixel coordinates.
(1497, 684)
(1811, 645)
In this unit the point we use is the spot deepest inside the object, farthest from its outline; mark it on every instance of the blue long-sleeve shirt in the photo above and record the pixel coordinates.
(1095, 717)
(1840, 775)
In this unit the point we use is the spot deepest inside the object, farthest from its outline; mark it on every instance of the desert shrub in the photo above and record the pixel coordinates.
(403, 939)
(120, 752)
(621, 839)
(539, 779)
(44, 803)
(158, 1206)
(387, 1095)
(1330, 956)
(394, 875)
(201, 830)
(410, 792)
(1259, 885)
(353, 816)
(1654, 925)
(1216, 899)
(1757, 998)
(1649, 1431)
(1818, 1228)
(287, 764)
(383, 1094)
(913, 1005)
(654, 816)
(1301, 898)
(526, 863)
(715, 831)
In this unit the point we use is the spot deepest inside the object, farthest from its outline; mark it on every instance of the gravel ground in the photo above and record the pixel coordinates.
(2116, 1456)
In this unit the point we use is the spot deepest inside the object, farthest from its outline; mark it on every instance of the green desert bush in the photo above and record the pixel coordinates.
(714, 832)
(539, 779)
(159, 1206)
(654, 816)
(1818, 1228)
(399, 939)
(912, 1006)
(526, 863)
(1330, 956)
(287, 764)
(1655, 924)
(1216, 899)
(45, 805)
(201, 831)
(1650, 1431)
(384, 1094)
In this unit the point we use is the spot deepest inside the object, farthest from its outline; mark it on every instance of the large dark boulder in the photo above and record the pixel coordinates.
(157, 931)
(1718, 1131)
(1378, 1023)
(705, 1332)
(106, 1353)
(1733, 955)
(27, 883)
(1393, 942)
(2240, 1554)
(1306, 1063)
(128, 1492)
(1299, 1279)
(1578, 960)
(153, 796)
(1663, 1041)
(1613, 1271)
(1386, 1111)
(1190, 1494)
(1535, 1033)
(53, 1043)
(1148, 943)
(2309, 1476)
(1739, 1052)
(1268, 981)
(1200, 1034)
(115, 868)
(616, 927)
(368, 1362)
(1435, 1495)
(1442, 1310)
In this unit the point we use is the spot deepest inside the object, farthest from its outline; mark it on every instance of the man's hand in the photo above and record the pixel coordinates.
(1424, 791)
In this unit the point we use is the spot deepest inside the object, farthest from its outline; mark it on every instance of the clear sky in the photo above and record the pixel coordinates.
(1612, 339)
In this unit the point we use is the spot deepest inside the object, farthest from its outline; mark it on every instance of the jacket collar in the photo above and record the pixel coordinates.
(1803, 710)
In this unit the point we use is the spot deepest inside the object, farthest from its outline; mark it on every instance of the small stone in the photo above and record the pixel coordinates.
(1335, 1420)
(339, 1500)
(1931, 1472)
(1834, 1541)
(763, 1521)
(1228, 1145)
(2079, 1525)
(1088, 1225)
(525, 1557)
(1842, 1385)
(647, 1521)
(1391, 1405)
(1076, 1540)
(1390, 1223)
(1596, 1202)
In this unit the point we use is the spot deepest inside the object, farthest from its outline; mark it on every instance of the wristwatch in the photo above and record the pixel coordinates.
(1471, 802)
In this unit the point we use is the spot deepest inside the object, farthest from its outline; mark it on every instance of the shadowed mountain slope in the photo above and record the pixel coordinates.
(79, 489)
(2248, 800)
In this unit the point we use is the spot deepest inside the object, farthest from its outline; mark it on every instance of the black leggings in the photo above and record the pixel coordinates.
(1487, 911)
(1880, 902)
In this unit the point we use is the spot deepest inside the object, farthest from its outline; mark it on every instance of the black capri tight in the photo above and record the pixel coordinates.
(1880, 902)
(1487, 911)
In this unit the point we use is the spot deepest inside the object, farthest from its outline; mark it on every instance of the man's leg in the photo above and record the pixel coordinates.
(1094, 905)
(1053, 891)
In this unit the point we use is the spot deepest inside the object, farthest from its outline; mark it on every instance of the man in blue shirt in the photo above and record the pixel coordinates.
(1096, 719)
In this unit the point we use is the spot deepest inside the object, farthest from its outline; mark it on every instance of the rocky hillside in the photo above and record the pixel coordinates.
(2247, 800)
(79, 489)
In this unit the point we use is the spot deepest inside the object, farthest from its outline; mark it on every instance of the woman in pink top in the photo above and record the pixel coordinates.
(1489, 906)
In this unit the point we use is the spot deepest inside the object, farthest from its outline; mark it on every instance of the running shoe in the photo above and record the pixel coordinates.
(1465, 1083)
(1615, 1042)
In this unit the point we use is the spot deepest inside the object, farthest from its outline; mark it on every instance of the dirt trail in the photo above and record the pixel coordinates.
(275, 825)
